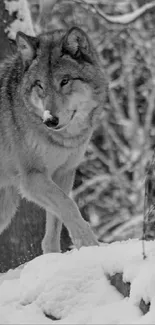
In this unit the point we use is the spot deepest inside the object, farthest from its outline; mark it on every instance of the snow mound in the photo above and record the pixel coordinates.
(73, 288)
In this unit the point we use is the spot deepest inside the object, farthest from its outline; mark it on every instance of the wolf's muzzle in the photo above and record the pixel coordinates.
(52, 122)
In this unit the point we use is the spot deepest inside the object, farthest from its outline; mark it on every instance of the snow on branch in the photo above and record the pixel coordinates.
(23, 21)
(119, 19)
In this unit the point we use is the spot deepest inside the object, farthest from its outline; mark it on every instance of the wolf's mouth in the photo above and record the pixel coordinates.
(53, 122)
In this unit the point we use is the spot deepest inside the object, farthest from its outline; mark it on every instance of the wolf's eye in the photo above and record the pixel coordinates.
(64, 82)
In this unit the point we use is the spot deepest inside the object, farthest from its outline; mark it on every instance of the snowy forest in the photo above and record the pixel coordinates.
(114, 186)
(110, 181)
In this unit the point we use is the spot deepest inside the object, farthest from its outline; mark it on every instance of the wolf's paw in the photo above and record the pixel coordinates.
(85, 237)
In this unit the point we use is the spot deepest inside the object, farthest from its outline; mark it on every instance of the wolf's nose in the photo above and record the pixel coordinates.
(52, 122)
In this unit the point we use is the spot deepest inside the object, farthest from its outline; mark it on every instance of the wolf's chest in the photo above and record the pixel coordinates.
(64, 157)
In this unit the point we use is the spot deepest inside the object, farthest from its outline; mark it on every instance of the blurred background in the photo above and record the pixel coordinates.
(109, 183)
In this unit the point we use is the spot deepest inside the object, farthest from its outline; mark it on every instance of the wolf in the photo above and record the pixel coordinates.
(51, 96)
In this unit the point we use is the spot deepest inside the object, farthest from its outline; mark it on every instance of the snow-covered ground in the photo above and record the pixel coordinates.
(73, 287)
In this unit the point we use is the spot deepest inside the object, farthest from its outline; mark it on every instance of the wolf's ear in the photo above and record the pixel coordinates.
(76, 42)
(26, 45)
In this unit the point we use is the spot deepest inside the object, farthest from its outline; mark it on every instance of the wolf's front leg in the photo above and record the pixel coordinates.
(51, 241)
(38, 188)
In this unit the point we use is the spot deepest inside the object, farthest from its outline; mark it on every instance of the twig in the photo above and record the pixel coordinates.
(119, 19)
(148, 199)
(144, 224)
(91, 182)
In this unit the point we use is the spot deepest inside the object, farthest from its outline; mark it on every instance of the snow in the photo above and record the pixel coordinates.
(73, 288)
(23, 22)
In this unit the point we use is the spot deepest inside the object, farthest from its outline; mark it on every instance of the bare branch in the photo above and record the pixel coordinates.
(91, 182)
(126, 18)
(118, 19)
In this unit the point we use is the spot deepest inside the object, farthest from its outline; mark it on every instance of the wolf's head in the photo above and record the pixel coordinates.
(63, 83)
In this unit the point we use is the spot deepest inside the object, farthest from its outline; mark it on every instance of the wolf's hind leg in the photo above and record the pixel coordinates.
(9, 200)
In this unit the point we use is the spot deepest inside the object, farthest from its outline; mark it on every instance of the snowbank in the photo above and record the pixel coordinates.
(73, 288)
